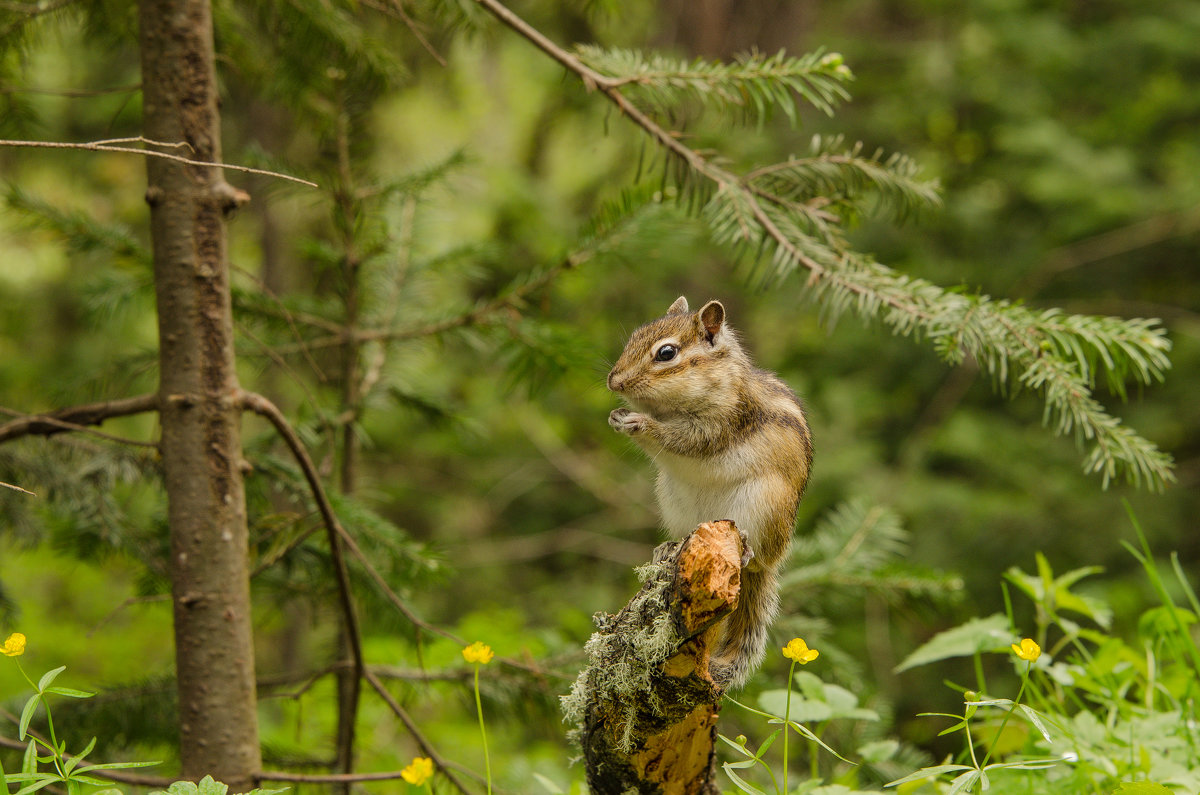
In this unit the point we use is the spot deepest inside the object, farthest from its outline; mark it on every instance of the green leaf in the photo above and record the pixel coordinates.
(49, 677)
(741, 749)
(977, 635)
(548, 785)
(744, 786)
(1036, 720)
(966, 782)
(27, 715)
(44, 780)
(743, 764)
(766, 744)
(74, 761)
(178, 788)
(209, 786)
(1162, 620)
(69, 692)
(803, 710)
(1024, 764)
(806, 733)
(123, 766)
(928, 772)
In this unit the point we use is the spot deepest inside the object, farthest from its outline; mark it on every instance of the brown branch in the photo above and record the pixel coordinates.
(513, 300)
(395, 9)
(105, 146)
(565, 538)
(334, 530)
(17, 488)
(408, 722)
(337, 536)
(265, 408)
(1111, 243)
(76, 418)
(328, 778)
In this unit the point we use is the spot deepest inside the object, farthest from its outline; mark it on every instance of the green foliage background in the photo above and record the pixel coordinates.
(491, 490)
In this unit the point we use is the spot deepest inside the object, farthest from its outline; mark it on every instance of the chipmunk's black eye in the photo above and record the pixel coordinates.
(666, 353)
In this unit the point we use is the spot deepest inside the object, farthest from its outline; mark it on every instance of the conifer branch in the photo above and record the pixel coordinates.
(781, 210)
(754, 84)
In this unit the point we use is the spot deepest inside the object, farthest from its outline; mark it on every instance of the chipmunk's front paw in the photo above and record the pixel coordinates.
(626, 421)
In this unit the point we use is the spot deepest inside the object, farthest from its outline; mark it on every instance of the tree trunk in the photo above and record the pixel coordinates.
(646, 706)
(198, 390)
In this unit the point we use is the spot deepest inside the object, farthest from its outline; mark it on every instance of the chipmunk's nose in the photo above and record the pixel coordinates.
(614, 383)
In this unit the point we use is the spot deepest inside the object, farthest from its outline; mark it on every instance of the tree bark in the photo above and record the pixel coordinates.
(198, 397)
(647, 705)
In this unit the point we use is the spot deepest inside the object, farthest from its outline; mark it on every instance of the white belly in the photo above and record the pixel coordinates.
(695, 490)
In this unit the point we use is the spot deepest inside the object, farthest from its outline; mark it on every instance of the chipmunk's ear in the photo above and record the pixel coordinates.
(712, 319)
(680, 307)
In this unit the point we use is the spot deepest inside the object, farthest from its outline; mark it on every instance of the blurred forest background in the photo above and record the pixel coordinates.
(461, 176)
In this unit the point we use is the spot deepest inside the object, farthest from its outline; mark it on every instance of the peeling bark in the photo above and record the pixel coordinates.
(198, 389)
(647, 705)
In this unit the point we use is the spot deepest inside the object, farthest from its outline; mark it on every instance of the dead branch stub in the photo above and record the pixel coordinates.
(646, 706)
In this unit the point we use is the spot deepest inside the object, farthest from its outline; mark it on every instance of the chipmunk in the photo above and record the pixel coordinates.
(729, 441)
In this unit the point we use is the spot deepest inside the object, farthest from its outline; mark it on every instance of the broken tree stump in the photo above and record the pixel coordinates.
(646, 706)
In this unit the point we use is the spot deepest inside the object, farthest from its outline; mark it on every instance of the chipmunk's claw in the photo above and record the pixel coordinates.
(747, 550)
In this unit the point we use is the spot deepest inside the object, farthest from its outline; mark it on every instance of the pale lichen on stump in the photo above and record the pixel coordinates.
(645, 709)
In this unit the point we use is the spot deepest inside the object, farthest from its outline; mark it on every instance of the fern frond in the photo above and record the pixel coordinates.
(860, 545)
(754, 85)
(855, 537)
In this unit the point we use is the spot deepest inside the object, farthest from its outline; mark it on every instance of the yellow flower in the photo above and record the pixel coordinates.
(798, 650)
(1028, 650)
(14, 646)
(478, 652)
(418, 771)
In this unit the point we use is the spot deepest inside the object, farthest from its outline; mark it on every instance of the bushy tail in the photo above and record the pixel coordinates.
(745, 630)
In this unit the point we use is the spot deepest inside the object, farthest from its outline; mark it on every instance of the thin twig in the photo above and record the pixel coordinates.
(133, 600)
(411, 725)
(71, 92)
(396, 9)
(103, 146)
(17, 488)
